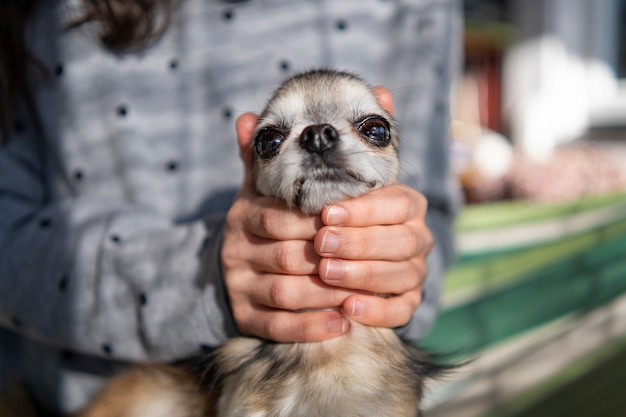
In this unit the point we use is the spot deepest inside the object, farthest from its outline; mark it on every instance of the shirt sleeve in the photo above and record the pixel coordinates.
(103, 278)
(425, 155)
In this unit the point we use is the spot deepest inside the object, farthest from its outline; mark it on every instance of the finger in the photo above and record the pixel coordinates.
(384, 97)
(393, 204)
(266, 217)
(380, 277)
(294, 293)
(244, 127)
(382, 312)
(272, 219)
(285, 326)
(292, 257)
(388, 243)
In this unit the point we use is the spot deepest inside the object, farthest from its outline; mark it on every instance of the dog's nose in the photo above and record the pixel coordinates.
(319, 138)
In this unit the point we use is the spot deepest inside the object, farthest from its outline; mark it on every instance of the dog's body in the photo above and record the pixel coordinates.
(368, 372)
(323, 138)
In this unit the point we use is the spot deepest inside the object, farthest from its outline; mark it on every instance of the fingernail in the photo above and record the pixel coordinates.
(358, 308)
(330, 243)
(338, 325)
(335, 270)
(336, 216)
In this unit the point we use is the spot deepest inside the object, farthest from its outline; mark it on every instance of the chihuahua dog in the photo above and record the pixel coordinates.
(322, 138)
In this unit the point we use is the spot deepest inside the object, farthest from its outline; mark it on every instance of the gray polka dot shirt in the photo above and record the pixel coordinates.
(112, 201)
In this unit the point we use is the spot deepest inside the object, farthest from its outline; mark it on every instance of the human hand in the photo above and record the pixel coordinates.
(377, 244)
(270, 265)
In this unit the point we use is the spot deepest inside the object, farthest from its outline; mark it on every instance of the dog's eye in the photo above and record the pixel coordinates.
(267, 142)
(376, 130)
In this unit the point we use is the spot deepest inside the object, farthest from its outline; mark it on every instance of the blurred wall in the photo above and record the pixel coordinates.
(560, 75)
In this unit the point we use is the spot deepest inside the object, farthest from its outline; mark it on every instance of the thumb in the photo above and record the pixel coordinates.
(244, 126)
(383, 95)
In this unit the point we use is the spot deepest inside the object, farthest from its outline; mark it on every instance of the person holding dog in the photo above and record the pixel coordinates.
(125, 232)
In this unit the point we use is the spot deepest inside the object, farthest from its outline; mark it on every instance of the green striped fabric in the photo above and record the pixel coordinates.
(514, 286)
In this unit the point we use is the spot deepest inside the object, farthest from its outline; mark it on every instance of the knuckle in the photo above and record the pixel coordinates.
(400, 197)
(404, 317)
(408, 280)
(308, 332)
(242, 319)
(232, 216)
(234, 284)
(404, 313)
(422, 201)
(281, 294)
(402, 205)
(421, 240)
(229, 255)
(418, 202)
(429, 240)
(420, 271)
(270, 222)
(275, 330)
(414, 241)
(410, 246)
(423, 273)
(235, 215)
(285, 260)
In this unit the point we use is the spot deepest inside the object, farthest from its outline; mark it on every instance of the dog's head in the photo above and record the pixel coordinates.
(323, 138)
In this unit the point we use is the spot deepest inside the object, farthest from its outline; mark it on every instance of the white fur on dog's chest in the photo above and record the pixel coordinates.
(338, 377)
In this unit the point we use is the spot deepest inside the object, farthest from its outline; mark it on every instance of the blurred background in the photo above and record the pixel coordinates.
(537, 298)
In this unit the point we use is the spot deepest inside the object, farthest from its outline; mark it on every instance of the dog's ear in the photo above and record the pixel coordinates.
(244, 126)
(384, 97)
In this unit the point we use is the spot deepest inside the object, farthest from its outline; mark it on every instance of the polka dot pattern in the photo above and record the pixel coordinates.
(189, 139)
